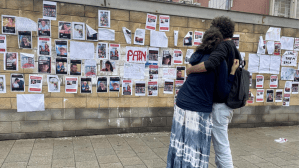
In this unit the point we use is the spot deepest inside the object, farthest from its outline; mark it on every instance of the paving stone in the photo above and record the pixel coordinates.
(43, 160)
(108, 159)
(125, 153)
(131, 161)
(63, 163)
(14, 165)
(89, 164)
(154, 163)
(111, 165)
(17, 158)
(85, 157)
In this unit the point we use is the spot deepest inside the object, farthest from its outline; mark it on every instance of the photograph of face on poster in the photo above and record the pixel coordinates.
(108, 66)
(102, 84)
(64, 29)
(180, 73)
(140, 88)
(11, 61)
(25, 39)
(139, 36)
(61, 47)
(166, 60)
(44, 46)
(44, 64)
(17, 83)
(86, 86)
(49, 10)
(27, 60)
(152, 88)
(2, 84)
(44, 27)
(114, 51)
(114, 84)
(75, 67)
(296, 76)
(126, 87)
(102, 50)
(153, 55)
(270, 96)
(90, 70)
(8, 24)
(61, 65)
(78, 30)
(104, 18)
(188, 39)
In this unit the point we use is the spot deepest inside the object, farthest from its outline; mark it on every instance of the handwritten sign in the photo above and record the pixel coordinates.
(136, 54)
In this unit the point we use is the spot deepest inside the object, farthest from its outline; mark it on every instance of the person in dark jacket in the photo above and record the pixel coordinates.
(192, 121)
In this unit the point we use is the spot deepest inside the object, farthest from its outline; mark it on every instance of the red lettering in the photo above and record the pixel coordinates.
(130, 52)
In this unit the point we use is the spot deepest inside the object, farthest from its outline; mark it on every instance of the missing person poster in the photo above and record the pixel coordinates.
(140, 88)
(35, 83)
(178, 86)
(139, 36)
(102, 84)
(151, 22)
(3, 44)
(75, 67)
(152, 88)
(188, 55)
(198, 35)
(64, 29)
(114, 50)
(102, 50)
(180, 73)
(11, 61)
(127, 87)
(278, 95)
(2, 84)
(108, 66)
(61, 65)
(168, 86)
(296, 76)
(44, 27)
(49, 10)
(78, 30)
(295, 88)
(270, 95)
(260, 95)
(91, 34)
(166, 60)
(114, 84)
(71, 84)
(61, 47)
(104, 18)
(53, 83)
(273, 81)
(286, 100)
(17, 83)
(188, 39)
(153, 55)
(127, 34)
(25, 39)
(44, 64)
(90, 68)
(44, 46)
(164, 22)
(8, 24)
(86, 86)
(277, 48)
(259, 81)
(153, 71)
(177, 56)
(250, 98)
(287, 87)
(236, 40)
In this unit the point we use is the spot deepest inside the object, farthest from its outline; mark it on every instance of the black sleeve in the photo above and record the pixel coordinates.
(216, 57)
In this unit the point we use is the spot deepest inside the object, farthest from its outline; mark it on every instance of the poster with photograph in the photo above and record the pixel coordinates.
(78, 30)
(44, 64)
(198, 35)
(102, 84)
(270, 95)
(108, 66)
(277, 48)
(90, 68)
(114, 84)
(44, 46)
(259, 81)
(140, 88)
(295, 88)
(153, 55)
(152, 88)
(151, 22)
(169, 73)
(166, 60)
(71, 84)
(236, 40)
(260, 95)
(168, 86)
(180, 73)
(139, 36)
(49, 10)
(11, 61)
(250, 98)
(8, 24)
(61, 65)
(134, 70)
(2, 84)
(53, 83)
(273, 81)
(289, 58)
(278, 95)
(136, 54)
(188, 39)
(3, 47)
(104, 18)
(287, 87)
(17, 83)
(64, 29)
(126, 87)
(27, 60)
(177, 56)
(106, 34)
(286, 100)
(296, 75)
(164, 21)
(178, 86)
(127, 34)
(35, 83)
(75, 67)
(153, 71)
(91, 34)
(188, 55)
(25, 39)
(114, 50)
(61, 47)
(86, 86)
(102, 50)
(287, 73)
(44, 27)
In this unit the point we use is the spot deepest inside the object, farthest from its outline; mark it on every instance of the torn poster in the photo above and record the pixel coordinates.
(273, 34)
(78, 30)
(30, 102)
(91, 34)
(71, 84)
(25, 24)
(270, 96)
(64, 29)
(104, 18)
(295, 88)
(90, 68)
(8, 24)
(2, 84)
(11, 62)
(114, 84)
(127, 87)
(108, 66)
(114, 50)
(153, 71)
(236, 40)
(275, 64)
(188, 39)
(134, 71)
(286, 100)
(169, 73)
(166, 59)
(296, 76)
(178, 85)
(296, 45)
(140, 88)
(27, 60)
(260, 95)
(188, 55)
(127, 34)
(139, 36)
(287, 43)
(106, 34)
(152, 88)
(86, 86)
(278, 95)
(53, 83)
(49, 10)
(151, 22)
(102, 50)
(168, 86)
(250, 99)
(25, 39)
(44, 46)
(44, 64)
(198, 35)
(75, 67)
(176, 35)
(61, 47)
(264, 64)
(270, 47)
(17, 83)
(136, 54)
(259, 81)
(164, 22)
(289, 58)
(61, 65)
(153, 55)
(260, 47)
(81, 50)
(287, 87)
(273, 81)
(35, 83)
(3, 44)
(180, 73)
(277, 48)
(158, 39)
(102, 84)
(287, 73)
(177, 56)
(253, 63)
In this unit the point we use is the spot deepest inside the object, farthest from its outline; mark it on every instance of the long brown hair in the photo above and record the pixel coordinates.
(210, 41)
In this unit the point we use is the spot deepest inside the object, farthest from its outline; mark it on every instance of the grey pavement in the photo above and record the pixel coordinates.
(251, 148)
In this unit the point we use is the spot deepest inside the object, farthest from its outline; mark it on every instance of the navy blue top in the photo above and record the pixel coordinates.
(197, 92)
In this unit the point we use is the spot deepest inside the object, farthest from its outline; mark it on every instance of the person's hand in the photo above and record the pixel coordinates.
(235, 66)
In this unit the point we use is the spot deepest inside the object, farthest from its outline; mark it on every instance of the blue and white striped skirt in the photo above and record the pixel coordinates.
(190, 139)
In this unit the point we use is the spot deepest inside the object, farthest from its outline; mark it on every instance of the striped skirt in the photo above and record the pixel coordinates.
(190, 139)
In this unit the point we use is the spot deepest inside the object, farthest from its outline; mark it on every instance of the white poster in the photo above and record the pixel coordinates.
(296, 45)
(44, 46)
(278, 95)
(259, 81)
(287, 73)
(295, 88)
(188, 55)
(127, 34)
(176, 35)
(286, 99)
(264, 64)
(126, 87)
(91, 34)
(27, 60)
(35, 83)
(158, 39)
(30, 102)
(81, 50)
(289, 58)
(273, 81)
(17, 82)
(153, 72)
(169, 73)
(102, 50)
(253, 63)
(168, 86)
(178, 85)
(134, 71)
(153, 55)
(236, 40)
(164, 21)
(139, 36)
(90, 68)
(270, 47)
(275, 64)
(140, 88)
(104, 18)
(177, 56)
(71, 84)
(198, 35)
(3, 44)
(106, 34)
(260, 95)
(136, 54)
(151, 22)
(273, 34)
(114, 50)
(53, 83)
(260, 47)
(188, 41)
(287, 87)
(49, 10)
(287, 43)
(78, 30)
(153, 88)
(2, 84)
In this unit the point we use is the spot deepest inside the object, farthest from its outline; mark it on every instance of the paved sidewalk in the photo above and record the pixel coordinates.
(251, 148)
